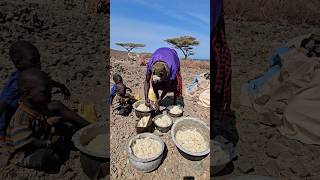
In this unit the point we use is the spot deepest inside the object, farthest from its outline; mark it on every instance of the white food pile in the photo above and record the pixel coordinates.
(191, 140)
(142, 107)
(163, 121)
(175, 110)
(143, 122)
(98, 144)
(146, 148)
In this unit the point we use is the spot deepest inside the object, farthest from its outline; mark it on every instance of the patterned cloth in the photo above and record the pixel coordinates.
(222, 67)
(9, 95)
(25, 127)
(179, 84)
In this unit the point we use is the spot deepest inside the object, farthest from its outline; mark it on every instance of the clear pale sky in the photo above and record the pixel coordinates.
(151, 21)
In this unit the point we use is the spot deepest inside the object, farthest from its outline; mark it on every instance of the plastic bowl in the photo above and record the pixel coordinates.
(191, 123)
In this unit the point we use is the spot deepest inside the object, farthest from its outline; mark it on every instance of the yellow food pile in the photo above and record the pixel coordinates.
(191, 140)
(146, 148)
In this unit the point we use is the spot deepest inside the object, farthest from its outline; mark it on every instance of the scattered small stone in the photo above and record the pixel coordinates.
(299, 169)
(245, 166)
(274, 149)
(272, 167)
(317, 177)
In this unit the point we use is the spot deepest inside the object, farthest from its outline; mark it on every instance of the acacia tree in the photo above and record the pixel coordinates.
(130, 47)
(185, 44)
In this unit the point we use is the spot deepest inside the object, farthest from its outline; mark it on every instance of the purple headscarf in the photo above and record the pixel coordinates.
(170, 57)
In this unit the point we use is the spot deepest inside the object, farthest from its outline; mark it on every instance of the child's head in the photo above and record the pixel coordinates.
(121, 89)
(24, 55)
(117, 78)
(35, 87)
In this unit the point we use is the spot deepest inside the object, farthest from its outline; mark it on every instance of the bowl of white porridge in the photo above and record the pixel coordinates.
(191, 137)
(175, 111)
(163, 122)
(141, 109)
(145, 152)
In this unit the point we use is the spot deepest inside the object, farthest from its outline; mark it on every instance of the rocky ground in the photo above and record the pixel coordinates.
(123, 128)
(262, 150)
(73, 48)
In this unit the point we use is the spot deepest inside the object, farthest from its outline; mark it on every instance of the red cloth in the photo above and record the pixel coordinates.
(222, 81)
(179, 84)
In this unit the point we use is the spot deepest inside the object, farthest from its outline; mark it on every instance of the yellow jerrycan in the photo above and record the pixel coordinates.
(152, 95)
(137, 96)
(88, 112)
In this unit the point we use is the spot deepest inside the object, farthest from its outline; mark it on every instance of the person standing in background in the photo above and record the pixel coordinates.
(223, 122)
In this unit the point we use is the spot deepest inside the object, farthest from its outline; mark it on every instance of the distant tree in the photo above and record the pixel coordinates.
(130, 47)
(185, 44)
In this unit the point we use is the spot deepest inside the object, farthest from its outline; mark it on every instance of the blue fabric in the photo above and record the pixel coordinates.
(9, 95)
(275, 65)
(274, 59)
(112, 93)
(256, 84)
(193, 83)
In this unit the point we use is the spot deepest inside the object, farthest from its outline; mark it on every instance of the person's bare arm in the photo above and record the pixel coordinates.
(163, 94)
(146, 89)
(58, 109)
(129, 89)
(64, 90)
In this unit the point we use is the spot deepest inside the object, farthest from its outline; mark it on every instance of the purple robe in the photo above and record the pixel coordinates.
(170, 57)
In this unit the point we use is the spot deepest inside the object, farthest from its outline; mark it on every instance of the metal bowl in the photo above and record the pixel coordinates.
(162, 129)
(91, 161)
(218, 157)
(174, 115)
(138, 113)
(145, 165)
(191, 123)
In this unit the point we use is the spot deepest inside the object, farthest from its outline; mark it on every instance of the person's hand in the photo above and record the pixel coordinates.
(157, 105)
(65, 92)
(53, 120)
(55, 139)
(147, 103)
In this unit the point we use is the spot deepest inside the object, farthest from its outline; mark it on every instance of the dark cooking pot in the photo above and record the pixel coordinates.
(94, 165)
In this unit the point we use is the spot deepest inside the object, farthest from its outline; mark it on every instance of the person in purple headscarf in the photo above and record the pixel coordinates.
(163, 73)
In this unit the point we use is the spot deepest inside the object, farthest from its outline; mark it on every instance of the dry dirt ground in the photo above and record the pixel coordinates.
(123, 128)
(262, 150)
(73, 51)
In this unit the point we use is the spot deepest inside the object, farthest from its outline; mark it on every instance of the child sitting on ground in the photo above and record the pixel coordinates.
(31, 138)
(117, 80)
(24, 55)
(124, 100)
